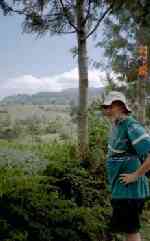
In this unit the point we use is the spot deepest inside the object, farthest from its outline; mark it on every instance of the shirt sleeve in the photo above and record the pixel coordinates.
(140, 139)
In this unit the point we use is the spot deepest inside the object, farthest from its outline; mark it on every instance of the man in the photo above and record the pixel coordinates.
(128, 161)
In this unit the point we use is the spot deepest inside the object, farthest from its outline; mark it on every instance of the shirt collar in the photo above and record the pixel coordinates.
(120, 120)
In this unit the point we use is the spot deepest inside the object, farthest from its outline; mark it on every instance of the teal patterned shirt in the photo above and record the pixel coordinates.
(128, 146)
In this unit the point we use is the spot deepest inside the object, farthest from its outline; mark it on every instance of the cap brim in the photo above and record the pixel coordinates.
(106, 104)
(128, 109)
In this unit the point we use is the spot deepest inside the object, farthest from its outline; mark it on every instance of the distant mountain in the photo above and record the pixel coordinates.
(45, 98)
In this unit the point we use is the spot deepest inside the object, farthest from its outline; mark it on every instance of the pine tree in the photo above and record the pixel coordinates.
(124, 31)
(81, 17)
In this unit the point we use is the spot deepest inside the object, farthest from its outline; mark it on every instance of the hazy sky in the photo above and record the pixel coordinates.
(29, 65)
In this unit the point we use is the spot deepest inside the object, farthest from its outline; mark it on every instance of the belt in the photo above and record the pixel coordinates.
(122, 157)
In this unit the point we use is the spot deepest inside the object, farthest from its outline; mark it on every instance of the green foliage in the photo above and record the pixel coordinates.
(98, 134)
(124, 29)
(53, 126)
(46, 195)
(73, 112)
(7, 130)
(61, 201)
(8, 133)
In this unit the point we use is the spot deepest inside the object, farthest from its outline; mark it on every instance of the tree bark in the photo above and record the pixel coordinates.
(83, 83)
(141, 101)
(141, 83)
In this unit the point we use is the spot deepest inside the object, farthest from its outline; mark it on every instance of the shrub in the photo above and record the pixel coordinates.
(51, 197)
(62, 202)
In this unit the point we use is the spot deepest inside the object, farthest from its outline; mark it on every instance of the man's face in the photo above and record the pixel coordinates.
(107, 109)
(110, 110)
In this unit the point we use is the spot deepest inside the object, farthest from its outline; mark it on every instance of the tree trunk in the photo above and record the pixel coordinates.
(141, 83)
(83, 83)
(141, 100)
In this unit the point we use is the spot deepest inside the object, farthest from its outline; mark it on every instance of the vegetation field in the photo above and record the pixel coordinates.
(47, 194)
(26, 123)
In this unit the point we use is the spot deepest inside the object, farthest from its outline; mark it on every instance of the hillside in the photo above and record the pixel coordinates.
(46, 98)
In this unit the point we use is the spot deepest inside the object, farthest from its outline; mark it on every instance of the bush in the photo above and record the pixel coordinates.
(62, 202)
(57, 199)
(53, 126)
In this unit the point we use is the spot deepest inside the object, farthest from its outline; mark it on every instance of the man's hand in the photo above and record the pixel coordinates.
(127, 178)
(132, 177)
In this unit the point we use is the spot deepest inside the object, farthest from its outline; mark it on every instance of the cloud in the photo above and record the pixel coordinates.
(28, 84)
(70, 79)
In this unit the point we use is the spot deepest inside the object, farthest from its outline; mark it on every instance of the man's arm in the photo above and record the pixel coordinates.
(132, 177)
(144, 167)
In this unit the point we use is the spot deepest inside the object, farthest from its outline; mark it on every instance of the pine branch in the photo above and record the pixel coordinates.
(99, 21)
(5, 7)
(109, 10)
(66, 32)
(88, 12)
(67, 17)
